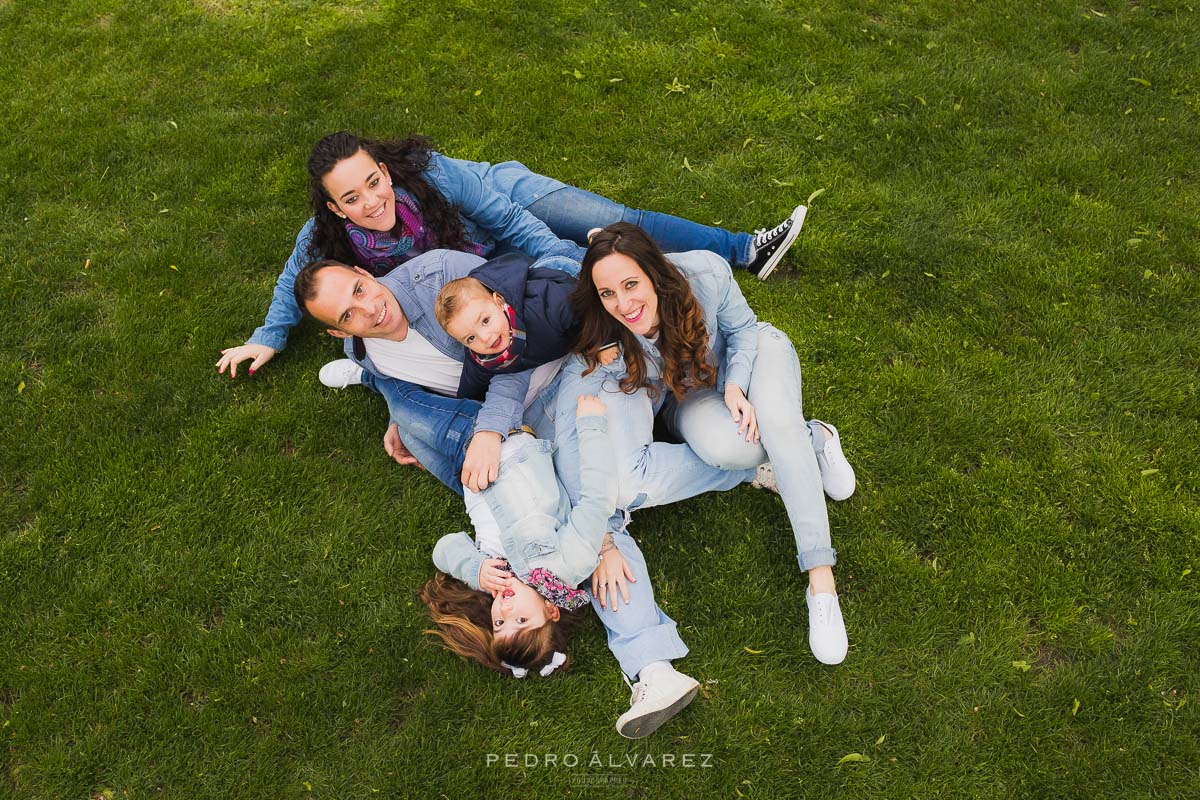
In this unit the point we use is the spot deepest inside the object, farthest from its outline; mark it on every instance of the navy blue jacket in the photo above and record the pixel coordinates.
(541, 298)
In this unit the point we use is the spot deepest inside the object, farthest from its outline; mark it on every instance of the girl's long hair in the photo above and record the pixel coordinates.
(683, 335)
(464, 624)
(406, 160)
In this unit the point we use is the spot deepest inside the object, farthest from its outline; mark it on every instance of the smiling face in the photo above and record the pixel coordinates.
(362, 192)
(481, 325)
(626, 293)
(519, 607)
(355, 304)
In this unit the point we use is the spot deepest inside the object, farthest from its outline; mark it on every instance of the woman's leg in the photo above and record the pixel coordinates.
(570, 213)
(649, 473)
(434, 428)
(775, 393)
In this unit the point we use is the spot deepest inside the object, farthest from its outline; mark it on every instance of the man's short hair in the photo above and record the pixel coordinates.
(305, 287)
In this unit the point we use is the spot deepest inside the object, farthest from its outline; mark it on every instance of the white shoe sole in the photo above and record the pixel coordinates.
(797, 223)
(651, 720)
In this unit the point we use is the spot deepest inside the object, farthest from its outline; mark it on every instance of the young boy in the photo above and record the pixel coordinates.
(510, 321)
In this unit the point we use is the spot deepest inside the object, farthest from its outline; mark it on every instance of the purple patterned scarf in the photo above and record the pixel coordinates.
(379, 251)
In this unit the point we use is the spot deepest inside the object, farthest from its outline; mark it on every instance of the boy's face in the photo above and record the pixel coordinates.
(481, 325)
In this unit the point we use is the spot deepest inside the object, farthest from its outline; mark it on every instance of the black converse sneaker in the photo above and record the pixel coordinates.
(770, 245)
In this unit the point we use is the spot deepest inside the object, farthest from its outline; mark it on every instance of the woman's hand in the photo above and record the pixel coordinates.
(394, 446)
(590, 405)
(742, 412)
(491, 577)
(611, 575)
(482, 463)
(232, 356)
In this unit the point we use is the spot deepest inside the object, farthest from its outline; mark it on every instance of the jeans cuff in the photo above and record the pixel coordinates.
(821, 557)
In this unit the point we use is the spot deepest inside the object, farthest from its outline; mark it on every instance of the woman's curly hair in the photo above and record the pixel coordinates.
(406, 160)
(683, 335)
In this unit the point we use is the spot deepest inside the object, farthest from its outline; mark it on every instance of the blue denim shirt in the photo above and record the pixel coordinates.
(538, 526)
(416, 284)
(492, 202)
(732, 325)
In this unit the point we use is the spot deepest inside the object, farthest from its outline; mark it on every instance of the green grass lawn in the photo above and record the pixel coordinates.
(207, 588)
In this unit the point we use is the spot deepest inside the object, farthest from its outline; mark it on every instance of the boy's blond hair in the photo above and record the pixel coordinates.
(454, 295)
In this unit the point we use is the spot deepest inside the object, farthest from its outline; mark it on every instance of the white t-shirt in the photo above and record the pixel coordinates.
(541, 378)
(417, 361)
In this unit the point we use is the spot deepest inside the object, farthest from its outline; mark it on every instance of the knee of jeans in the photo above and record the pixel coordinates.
(729, 453)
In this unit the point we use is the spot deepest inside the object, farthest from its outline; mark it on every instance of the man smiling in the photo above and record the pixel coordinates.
(390, 331)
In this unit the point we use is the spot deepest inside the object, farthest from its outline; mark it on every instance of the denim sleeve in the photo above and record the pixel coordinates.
(495, 212)
(568, 264)
(582, 535)
(455, 554)
(504, 403)
(284, 314)
(738, 325)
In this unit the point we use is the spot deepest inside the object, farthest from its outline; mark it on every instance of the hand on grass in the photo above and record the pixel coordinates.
(232, 356)
(393, 445)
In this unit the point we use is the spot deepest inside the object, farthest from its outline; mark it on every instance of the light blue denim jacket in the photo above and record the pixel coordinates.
(732, 325)
(416, 284)
(538, 526)
(491, 201)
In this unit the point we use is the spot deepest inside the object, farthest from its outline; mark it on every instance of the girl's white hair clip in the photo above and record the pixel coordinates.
(555, 662)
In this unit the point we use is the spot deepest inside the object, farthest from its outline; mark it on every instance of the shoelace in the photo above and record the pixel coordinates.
(638, 690)
(763, 236)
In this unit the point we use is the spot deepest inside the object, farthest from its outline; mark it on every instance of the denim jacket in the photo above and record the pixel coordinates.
(416, 284)
(491, 201)
(538, 526)
(732, 325)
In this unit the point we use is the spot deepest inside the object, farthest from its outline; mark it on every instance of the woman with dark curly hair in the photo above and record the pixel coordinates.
(727, 384)
(377, 204)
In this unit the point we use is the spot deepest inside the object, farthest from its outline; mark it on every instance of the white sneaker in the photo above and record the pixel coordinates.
(826, 629)
(765, 478)
(657, 697)
(341, 373)
(837, 476)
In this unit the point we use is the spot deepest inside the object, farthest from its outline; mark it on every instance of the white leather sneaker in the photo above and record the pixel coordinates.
(341, 373)
(837, 476)
(657, 697)
(826, 629)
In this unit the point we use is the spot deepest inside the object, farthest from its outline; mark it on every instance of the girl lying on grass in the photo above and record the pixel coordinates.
(509, 598)
(377, 204)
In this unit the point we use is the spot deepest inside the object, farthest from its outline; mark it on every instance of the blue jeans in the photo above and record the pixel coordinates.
(649, 473)
(570, 213)
(641, 632)
(437, 429)
(704, 422)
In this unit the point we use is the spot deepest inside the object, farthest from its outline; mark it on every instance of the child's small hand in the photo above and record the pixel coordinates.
(587, 404)
(608, 354)
(491, 577)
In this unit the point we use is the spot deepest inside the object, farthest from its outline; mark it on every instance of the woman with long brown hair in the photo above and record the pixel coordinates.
(377, 203)
(727, 384)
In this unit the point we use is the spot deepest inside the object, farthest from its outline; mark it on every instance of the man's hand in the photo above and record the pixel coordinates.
(232, 356)
(396, 449)
(482, 462)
